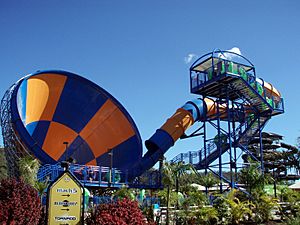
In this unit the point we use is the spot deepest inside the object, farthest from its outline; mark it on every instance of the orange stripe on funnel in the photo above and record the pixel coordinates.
(92, 163)
(178, 123)
(43, 93)
(57, 134)
(107, 129)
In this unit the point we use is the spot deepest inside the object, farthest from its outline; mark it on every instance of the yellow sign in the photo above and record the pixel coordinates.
(65, 201)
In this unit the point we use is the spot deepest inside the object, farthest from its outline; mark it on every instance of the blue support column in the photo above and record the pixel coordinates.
(205, 152)
(261, 147)
(100, 175)
(234, 148)
(229, 137)
(219, 147)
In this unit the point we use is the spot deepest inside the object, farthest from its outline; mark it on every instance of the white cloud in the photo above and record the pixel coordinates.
(189, 58)
(229, 56)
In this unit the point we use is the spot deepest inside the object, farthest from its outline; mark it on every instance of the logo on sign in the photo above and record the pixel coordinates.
(67, 179)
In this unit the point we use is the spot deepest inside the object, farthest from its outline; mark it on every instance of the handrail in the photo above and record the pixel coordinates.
(222, 52)
(212, 144)
(201, 80)
(88, 175)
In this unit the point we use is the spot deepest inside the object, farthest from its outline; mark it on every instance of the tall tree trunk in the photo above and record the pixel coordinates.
(168, 205)
(177, 191)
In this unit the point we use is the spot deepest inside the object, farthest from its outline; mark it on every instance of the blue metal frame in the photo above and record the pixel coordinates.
(13, 146)
(238, 132)
(98, 176)
(89, 176)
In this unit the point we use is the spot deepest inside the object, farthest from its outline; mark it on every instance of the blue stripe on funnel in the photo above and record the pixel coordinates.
(124, 155)
(78, 104)
(22, 99)
(38, 130)
(78, 150)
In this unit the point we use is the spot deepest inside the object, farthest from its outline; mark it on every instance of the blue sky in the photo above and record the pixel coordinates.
(136, 49)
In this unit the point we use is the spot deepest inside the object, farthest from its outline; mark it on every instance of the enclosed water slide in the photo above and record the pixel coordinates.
(234, 94)
(194, 111)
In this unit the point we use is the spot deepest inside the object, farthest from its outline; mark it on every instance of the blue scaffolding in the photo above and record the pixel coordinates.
(243, 107)
(101, 176)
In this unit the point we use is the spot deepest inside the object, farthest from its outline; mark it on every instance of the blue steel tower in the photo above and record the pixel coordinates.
(237, 105)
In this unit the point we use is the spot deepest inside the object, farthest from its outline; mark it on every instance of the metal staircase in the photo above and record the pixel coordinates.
(249, 93)
(243, 134)
(232, 87)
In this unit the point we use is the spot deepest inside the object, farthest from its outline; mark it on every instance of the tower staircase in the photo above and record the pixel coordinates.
(230, 82)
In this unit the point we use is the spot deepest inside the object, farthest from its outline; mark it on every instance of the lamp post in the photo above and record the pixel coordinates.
(66, 143)
(65, 163)
(111, 155)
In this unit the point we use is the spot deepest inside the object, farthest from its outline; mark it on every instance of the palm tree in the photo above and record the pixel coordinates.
(28, 167)
(252, 177)
(208, 180)
(41, 186)
(180, 169)
(171, 173)
(167, 181)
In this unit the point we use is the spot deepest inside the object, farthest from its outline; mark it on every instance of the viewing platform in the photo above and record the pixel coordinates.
(213, 75)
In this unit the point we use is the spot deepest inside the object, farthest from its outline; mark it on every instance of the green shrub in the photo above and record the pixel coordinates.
(263, 205)
(293, 221)
(206, 216)
(222, 206)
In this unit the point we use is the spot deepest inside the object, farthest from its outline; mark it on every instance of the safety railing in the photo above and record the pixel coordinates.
(211, 146)
(87, 175)
(224, 67)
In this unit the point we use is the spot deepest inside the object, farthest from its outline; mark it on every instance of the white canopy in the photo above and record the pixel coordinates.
(295, 186)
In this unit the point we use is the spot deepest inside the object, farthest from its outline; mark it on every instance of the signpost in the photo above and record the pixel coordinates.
(65, 201)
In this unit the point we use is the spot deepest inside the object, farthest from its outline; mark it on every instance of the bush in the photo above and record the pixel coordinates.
(162, 194)
(222, 206)
(119, 213)
(43, 216)
(293, 220)
(124, 192)
(263, 206)
(206, 216)
(19, 203)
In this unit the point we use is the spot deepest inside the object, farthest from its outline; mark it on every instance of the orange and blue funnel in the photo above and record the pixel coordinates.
(50, 108)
